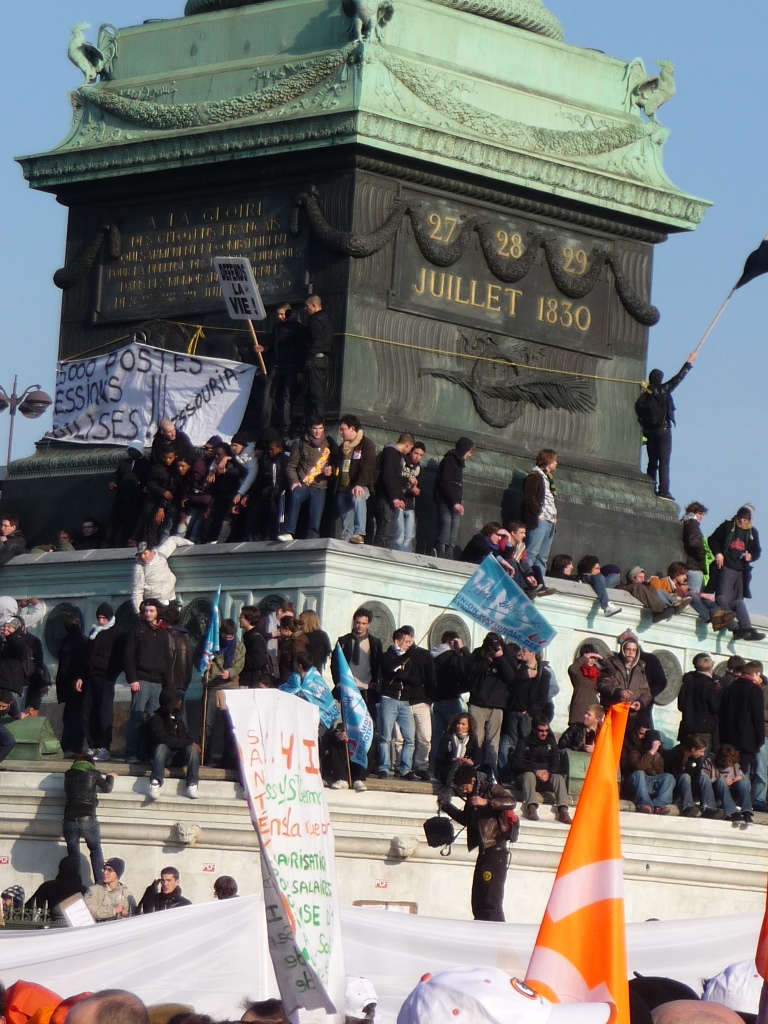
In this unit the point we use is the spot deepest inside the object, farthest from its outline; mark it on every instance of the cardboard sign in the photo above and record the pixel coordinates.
(76, 912)
(238, 288)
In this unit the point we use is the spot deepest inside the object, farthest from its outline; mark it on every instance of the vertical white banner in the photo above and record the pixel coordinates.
(276, 734)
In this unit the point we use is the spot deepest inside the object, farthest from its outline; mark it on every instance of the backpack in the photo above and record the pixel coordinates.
(651, 410)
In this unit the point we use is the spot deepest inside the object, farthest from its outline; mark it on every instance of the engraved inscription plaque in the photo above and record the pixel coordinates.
(165, 266)
(467, 291)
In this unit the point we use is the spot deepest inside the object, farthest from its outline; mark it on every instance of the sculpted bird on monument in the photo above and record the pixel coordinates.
(652, 92)
(368, 18)
(93, 60)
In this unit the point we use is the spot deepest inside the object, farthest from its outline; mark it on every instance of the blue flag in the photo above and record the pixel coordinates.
(314, 689)
(357, 721)
(492, 598)
(211, 642)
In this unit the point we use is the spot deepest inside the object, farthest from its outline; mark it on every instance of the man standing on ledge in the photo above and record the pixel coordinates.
(320, 334)
(736, 545)
(655, 410)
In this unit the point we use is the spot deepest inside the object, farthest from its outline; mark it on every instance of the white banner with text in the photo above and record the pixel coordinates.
(121, 397)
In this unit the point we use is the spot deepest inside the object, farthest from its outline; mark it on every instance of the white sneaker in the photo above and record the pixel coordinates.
(612, 609)
(154, 790)
(285, 537)
(340, 784)
(192, 792)
(101, 754)
(359, 786)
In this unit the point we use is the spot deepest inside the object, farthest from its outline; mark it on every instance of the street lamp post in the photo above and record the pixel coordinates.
(31, 403)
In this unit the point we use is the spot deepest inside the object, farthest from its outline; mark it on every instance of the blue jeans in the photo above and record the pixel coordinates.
(296, 498)
(391, 711)
(163, 756)
(448, 522)
(695, 580)
(442, 712)
(655, 790)
(730, 595)
(516, 726)
(760, 781)
(7, 742)
(145, 702)
(538, 541)
(687, 790)
(88, 829)
(353, 513)
(729, 796)
(405, 531)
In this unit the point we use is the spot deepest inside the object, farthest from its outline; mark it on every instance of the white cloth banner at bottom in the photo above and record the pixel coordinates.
(277, 738)
(213, 955)
(122, 396)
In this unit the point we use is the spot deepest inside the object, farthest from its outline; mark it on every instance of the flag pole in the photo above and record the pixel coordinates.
(257, 348)
(716, 318)
(205, 713)
(346, 745)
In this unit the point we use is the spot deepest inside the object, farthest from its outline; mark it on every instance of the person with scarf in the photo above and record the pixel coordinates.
(355, 469)
(538, 510)
(223, 674)
(736, 546)
(308, 470)
(103, 664)
(390, 498)
(584, 674)
(457, 745)
(172, 745)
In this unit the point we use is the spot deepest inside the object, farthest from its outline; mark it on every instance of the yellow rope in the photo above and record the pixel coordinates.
(493, 359)
(199, 334)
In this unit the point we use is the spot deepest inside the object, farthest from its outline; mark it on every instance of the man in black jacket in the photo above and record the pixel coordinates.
(536, 765)
(256, 667)
(12, 540)
(389, 489)
(488, 814)
(288, 347)
(449, 494)
(15, 657)
(81, 783)
(401, 680)
(742, 715)
(8, 709)
(528, 696)
(316, 366)
(164, 893)
(148, 666)
(451, 680)
(699, 702)
(655, 410)
(171, 744)
(736, 547)
(490, 677)
(103, 664)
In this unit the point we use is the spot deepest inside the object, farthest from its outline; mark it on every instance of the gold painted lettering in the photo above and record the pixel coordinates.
(513, 294)
(492, 296)
(432, 292)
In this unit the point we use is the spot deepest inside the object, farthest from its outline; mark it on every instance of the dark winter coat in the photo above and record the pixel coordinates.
(698, 702)
(153, 901)
(444, 760)
(616, 677)
(81, 783)
(693, 543)
(15, 663)
(181, 658)
(376, 651)
(318, 648)
(362, 465)
(66, 883)
(486, 825)
(533, 754)
(449, 482)
(530, 693)
(741, 715)
(720, 544)
(389, 484)
(16, 544)
(451, 678)
(73, 665)
(320, 333)
(181, 446)
(256, 658)
(410, 676)
(167, 727)
(148, 655)
(490, 681)
(104, 655)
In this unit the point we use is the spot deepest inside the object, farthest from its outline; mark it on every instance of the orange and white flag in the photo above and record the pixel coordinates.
(580, 954)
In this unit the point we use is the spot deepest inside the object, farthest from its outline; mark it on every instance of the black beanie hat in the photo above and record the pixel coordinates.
(117, 864)
(106, 610)
(464, 445)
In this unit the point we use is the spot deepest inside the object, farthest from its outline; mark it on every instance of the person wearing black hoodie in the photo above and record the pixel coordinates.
(127, 484)
(148, 664)
(736, 547)
(12, 540)
(67, 883)
(490, 678)
(170, 743)
(451, 680)
(103, 664)
(69, 684)
(81, 783)
(449, 492)
(390, 496)
(699, 702)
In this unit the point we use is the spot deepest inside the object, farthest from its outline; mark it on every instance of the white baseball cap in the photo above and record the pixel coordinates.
(358, 994)
(738, 987)
(486, 995)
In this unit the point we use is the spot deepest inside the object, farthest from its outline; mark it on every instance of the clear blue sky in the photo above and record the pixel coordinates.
(716, 149)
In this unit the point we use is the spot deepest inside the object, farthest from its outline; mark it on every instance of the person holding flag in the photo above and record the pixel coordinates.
(354, 735)
(205, 654)
(307, 683)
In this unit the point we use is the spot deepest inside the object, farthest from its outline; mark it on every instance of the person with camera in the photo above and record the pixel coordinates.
(164, 893)
(491, 824)
(490, 677)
